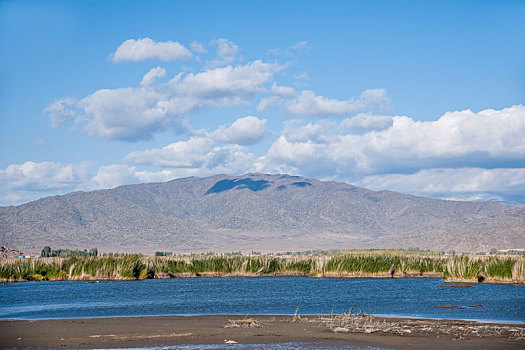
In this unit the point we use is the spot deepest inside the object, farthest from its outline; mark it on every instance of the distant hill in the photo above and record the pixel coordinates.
(259, 212)
(6, 252)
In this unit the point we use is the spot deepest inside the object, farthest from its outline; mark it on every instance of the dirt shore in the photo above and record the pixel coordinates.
(131, 332)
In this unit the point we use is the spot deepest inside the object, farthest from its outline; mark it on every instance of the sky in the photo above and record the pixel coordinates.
(420, 97)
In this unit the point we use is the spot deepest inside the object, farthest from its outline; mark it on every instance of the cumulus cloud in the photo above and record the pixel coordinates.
(490, 138)
(20, 183)
(136, 113)
(366, 122)
(227, 52)
(282, 91)
(43, 176)
(152, 76)
(113, 176)
(461, 183)
(132, 113)
(308, 103)
(278, 95)
(244, 131)
(228, 85)
(146, 49)
(200, 154)
(206, 150)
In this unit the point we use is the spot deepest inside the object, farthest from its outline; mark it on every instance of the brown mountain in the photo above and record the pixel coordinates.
(260, 212)
(6, 252)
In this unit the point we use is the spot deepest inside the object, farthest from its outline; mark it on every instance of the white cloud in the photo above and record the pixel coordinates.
(183, 154)
(20, 183)
(226, 51)
(461, 183)
(113, 176)
(137, 113)
(244, 131)
(145, 49)
(60, 111)
(132, 113)
(228, 85)
(298, 47)
(43, 176)
(308, 103)
(301, 46)
(198, 47)
(364, 122)
(202, 155)
(302, 76)
(322, 132)
(282, 91)
(489, 138)
(266, 102)
(204, 150)
(278, 95)
(151, 77)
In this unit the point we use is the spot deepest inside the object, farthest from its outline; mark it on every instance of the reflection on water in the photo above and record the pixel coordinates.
(417, 297)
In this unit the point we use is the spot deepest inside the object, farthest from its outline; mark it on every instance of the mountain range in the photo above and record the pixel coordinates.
(257, 212)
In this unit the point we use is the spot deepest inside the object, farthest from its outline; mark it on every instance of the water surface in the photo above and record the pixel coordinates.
(262, 295)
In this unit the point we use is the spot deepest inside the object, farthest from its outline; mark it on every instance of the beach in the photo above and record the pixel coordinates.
(340, 330)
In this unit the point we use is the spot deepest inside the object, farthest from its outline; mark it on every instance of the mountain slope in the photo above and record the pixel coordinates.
(257, 211)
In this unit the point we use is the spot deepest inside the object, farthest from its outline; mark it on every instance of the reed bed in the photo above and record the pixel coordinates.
(464, 268)
(485, 268)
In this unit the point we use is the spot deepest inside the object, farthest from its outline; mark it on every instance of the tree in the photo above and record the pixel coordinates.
(46, 252)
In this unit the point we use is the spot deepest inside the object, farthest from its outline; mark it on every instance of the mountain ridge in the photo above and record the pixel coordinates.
(259, 212)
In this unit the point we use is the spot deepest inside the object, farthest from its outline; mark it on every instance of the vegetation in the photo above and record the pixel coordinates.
(495, 268)
(163, 253)
(47, 252)
(373, 263)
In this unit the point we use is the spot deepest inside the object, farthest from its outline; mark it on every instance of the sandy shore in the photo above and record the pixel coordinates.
(122, 332)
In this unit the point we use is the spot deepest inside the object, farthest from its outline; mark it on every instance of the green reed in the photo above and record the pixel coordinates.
(463, 267)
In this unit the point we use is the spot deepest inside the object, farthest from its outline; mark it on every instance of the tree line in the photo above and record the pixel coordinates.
(47, 252)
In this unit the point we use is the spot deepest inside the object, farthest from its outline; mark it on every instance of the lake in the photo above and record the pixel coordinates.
(410, 297)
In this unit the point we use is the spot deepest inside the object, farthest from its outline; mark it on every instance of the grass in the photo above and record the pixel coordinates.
(498, 268)
(353, 263)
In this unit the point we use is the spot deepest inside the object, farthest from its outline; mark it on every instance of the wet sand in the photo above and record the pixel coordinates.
(131, 332)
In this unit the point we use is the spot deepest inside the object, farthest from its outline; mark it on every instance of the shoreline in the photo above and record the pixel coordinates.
(380, 316)
(88, 278)
(360, 330)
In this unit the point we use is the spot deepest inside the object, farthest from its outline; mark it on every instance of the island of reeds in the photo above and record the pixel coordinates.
(379, 264)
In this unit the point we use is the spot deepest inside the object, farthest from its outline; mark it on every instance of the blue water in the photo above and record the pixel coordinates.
(270, 295)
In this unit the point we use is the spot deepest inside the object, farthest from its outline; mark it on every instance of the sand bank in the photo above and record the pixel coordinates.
(126, 332)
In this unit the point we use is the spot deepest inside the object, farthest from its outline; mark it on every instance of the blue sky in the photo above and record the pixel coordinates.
(422, 97)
